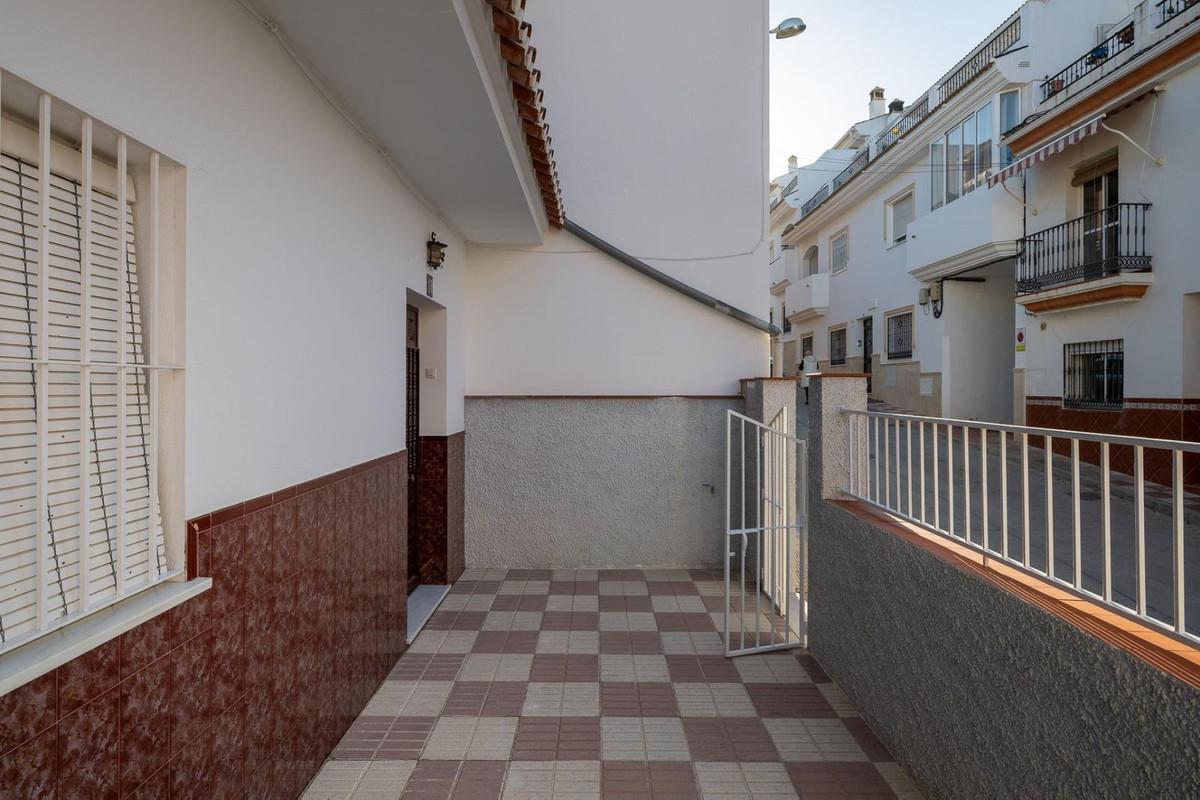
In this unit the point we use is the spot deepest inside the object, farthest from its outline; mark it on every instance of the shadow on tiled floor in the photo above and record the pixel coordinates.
(532, 684)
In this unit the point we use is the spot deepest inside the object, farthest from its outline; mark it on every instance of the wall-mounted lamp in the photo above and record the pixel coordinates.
(435, 252)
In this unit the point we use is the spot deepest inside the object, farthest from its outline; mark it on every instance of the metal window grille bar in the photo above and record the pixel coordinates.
(1097, 245)
(837, 347)
(1093, 59)
(1094, 374)
(900, 336)
(915, 115)
(1125, 556)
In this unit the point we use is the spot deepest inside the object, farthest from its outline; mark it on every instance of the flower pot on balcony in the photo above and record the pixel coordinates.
(1097, 55)
(1057, 85)
(1126, 36)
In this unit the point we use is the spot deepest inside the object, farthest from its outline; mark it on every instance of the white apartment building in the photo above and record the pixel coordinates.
(1108, 293)
(916, 261)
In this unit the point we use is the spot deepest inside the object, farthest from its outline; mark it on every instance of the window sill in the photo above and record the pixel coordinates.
(46, 653)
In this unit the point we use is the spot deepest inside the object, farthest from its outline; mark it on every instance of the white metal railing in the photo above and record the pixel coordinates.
(765, 542)
(1067, 515)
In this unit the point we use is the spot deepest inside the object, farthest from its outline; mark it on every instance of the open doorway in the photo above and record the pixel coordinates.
(435, 537)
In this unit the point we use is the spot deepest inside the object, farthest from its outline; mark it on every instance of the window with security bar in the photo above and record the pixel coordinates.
(900, 335)
(81, 294)
(837, 347)
(1094, 374)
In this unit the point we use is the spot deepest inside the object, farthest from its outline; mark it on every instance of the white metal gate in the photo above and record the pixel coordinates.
(766, 540)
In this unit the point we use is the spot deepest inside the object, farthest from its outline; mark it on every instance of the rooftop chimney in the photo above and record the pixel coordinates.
(878, 104)
(793, 162)
(896, 106)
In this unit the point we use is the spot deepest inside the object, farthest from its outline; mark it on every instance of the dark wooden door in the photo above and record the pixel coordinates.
(412, 440)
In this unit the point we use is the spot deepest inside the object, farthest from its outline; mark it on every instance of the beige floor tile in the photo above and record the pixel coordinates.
(713, 700)
(496, 667)
(466, 602)
(643, 739)
(577, 699)
(627, 588)
(813, 740)
(573, 602)
(684, 643)
(569, 642)
(552, 780)
(627, 621)
(771, 668)
(666, 575)
(360, 780)
(512, 621)
(687, 604)
(471, 739)
(448, 642)
(409, 699)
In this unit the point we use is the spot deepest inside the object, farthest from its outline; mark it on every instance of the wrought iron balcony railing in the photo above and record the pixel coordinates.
(1170, 9)
(1092, 60)
(815, 200)
(911, 119)
(1097, 245)
(998, 44)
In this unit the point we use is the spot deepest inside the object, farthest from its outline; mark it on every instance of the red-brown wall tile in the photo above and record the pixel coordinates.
(242, 691)
(440, 509)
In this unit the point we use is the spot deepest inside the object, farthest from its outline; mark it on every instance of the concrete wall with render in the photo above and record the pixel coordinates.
(977, 692)
(600, 482)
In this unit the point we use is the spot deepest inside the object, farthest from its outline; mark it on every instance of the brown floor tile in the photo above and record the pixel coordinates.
(816, 780)
(392, 738)
(519, 602)
(426, 666)
(561, 668)
(703, 669)
(661, 780)
(637, 700)
(557, 739)
(728, 739)
(570, 621)
(672, 587)
(505, 642)
(815, 672)
(630, 642)
(867, 739)
(797, 700)
(621, 575)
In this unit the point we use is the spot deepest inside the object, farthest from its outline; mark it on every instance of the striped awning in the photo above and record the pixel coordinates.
(1045, 151)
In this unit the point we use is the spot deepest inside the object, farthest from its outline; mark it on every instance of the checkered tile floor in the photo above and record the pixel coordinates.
(532, 684)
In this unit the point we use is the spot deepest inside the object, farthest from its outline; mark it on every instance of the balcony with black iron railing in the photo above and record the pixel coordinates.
(1104, 53)
(1168, 10)
(1097, 245)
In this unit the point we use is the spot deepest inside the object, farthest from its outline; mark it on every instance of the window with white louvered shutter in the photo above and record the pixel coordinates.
(80, 518)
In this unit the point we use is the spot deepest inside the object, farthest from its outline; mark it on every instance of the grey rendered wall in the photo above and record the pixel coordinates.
(980, 694)
(595, 482)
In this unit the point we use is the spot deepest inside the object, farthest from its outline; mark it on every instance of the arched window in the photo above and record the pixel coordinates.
(811, 265)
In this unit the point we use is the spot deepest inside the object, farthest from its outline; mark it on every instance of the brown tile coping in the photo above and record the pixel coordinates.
(793, 379)
(1157, 649)
(238, 510)
(838, 375)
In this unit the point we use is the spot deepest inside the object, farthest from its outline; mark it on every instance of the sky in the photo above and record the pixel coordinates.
(820, 80)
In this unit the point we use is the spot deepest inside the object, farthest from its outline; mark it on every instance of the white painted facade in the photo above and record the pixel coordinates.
(1158, 332)
(304, 243)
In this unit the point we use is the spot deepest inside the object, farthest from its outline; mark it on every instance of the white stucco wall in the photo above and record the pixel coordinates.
(661, 151)
(300, 240)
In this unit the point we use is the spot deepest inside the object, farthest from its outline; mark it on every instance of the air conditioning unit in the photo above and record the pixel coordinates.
(923, 297)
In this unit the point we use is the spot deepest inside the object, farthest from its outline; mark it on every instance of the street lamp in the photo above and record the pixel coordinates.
(792, 26)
